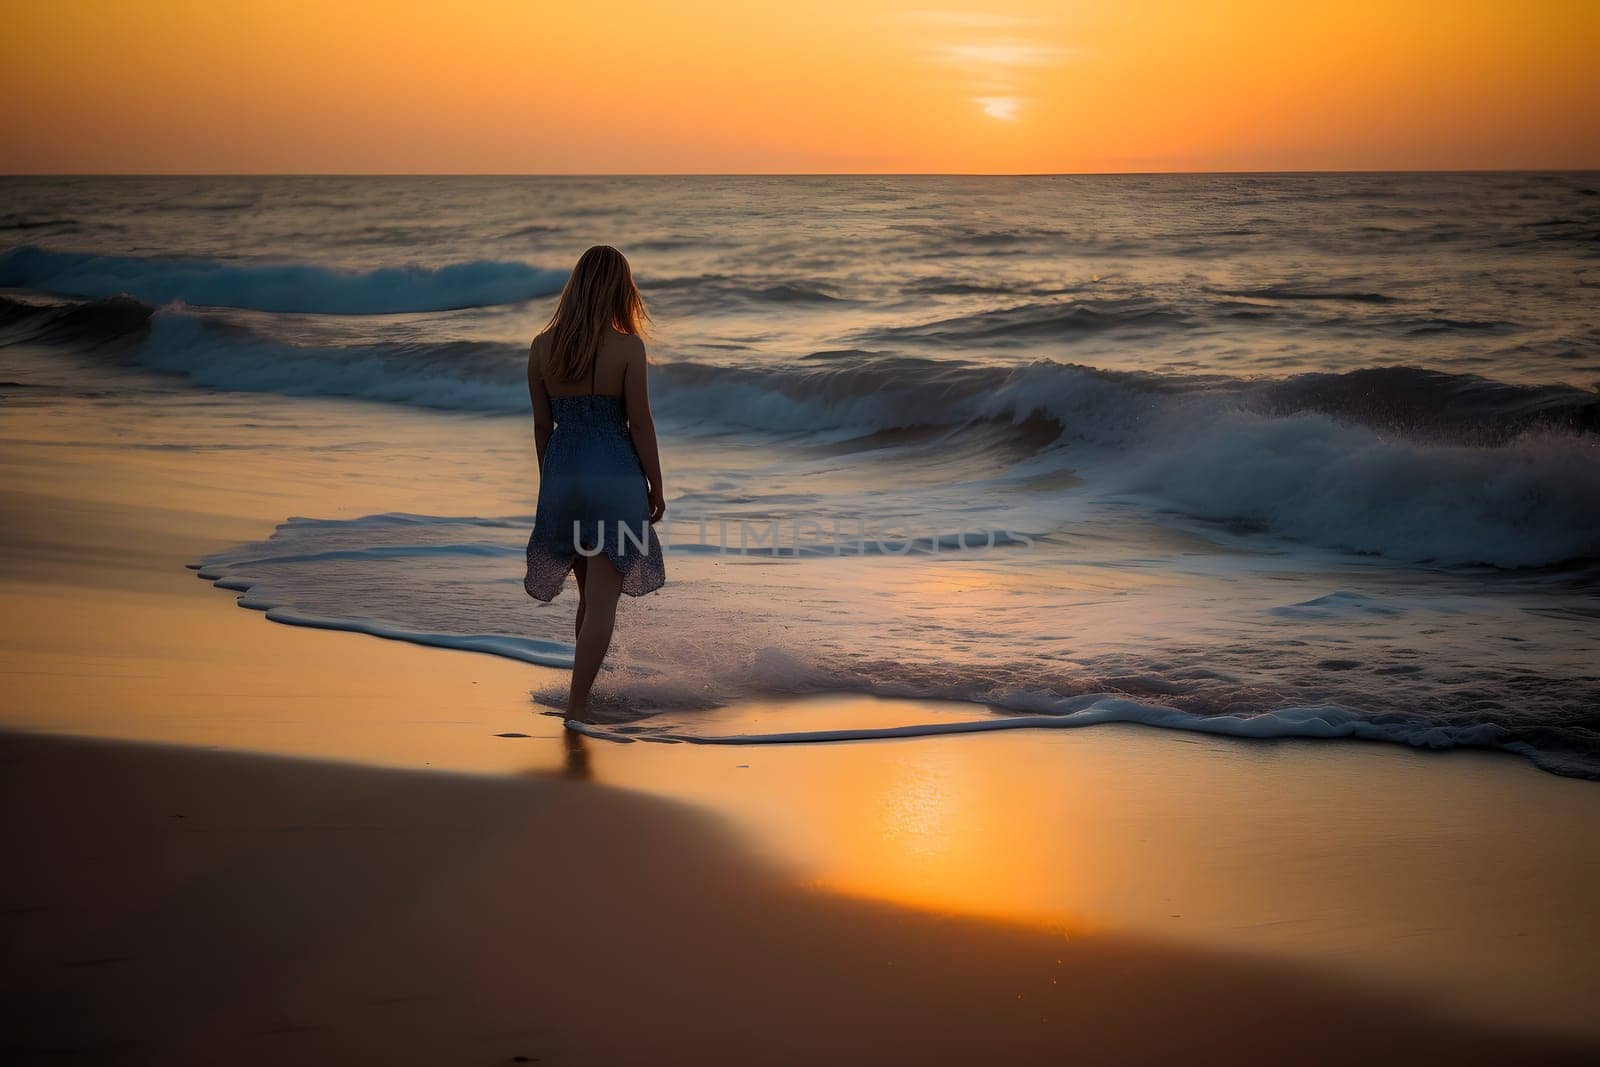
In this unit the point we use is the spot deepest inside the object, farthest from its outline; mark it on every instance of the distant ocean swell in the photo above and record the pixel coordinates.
(1412, 464)
(845, 390)
(1032, 314)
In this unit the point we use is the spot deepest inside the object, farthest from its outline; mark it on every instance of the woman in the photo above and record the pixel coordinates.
(599, 469)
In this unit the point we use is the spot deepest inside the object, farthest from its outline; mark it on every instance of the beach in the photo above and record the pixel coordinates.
(1180, 679)
(181, 905)
(250, 841)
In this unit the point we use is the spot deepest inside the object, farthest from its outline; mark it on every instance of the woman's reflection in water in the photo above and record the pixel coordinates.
(576, 766)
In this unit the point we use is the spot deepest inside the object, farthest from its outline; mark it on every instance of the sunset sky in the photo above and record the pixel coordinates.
(720, 86)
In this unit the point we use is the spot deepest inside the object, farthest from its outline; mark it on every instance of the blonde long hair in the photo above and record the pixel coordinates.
(599, 296)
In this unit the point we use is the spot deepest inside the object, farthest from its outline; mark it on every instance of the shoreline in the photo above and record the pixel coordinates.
(1365, 864)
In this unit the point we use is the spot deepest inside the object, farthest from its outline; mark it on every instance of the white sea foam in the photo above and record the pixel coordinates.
(1322, 722)
(1530, 502)
(1410, 667)
(781, 673)
(526, 649)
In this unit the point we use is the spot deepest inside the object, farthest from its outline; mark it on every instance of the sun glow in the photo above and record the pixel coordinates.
(999, 107)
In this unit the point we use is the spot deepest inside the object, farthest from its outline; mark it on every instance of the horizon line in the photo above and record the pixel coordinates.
(794, 174)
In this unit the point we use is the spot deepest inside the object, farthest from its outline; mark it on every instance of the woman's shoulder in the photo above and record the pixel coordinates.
(539, 351)
(629, 345)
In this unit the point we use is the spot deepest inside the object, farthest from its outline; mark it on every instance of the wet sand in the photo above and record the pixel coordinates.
(172, 905)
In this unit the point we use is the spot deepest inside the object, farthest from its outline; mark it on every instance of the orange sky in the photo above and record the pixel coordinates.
(530, 86)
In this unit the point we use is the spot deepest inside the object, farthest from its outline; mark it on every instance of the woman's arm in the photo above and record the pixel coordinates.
(543, 423)
(642, 426)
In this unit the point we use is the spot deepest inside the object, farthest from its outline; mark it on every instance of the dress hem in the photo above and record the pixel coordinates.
(634, 570)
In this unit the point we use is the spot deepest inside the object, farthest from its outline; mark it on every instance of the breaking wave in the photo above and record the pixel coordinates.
(1403, 462)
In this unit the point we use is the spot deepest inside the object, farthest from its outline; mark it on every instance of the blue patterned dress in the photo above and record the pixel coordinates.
(591, 485)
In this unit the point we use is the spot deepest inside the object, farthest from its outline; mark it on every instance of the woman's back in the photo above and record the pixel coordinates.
(607, 374)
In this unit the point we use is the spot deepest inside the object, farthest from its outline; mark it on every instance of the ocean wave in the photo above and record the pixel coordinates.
(845, 393)
(531, 230)
(1040, 320)
(1285, 292)
(89, 323)
(1533, 501)
(1439, 325)
(1419, 402)
(15, 223)
(282, 287)
(1342, 664)
(1300, 458)
(213, 351)
(1407, 463)
(859, 389)
(711, 291)
(454, 375)
(289, 577)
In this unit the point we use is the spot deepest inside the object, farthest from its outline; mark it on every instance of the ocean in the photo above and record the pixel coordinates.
(1269, 456)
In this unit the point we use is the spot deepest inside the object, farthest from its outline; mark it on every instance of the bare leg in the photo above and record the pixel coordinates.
(581, 570)
(602, 586)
